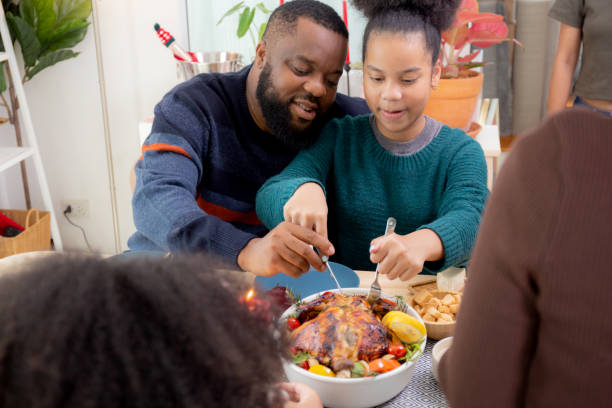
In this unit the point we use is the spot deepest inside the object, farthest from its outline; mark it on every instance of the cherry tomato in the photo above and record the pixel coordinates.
(398, 350)
(305, 365)
(293, 323)
(380, 365)
(388, 301)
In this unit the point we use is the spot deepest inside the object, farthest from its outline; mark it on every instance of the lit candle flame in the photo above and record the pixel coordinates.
(249, 294)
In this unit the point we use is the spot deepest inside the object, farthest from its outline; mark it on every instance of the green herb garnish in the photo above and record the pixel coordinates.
(401, 303)
(300, 357)
(413, 351)
(294, 297)
(358, 370)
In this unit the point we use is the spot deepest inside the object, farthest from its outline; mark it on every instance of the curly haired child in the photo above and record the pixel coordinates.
(395, 162)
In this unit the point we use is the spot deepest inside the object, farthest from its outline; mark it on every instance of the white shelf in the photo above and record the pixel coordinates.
(9, 156)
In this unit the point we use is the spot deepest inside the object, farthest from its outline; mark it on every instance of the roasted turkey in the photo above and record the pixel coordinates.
(336, 328)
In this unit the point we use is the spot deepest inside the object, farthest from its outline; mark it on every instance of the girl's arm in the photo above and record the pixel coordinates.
(462, 203)
(448, 239)
(403, 256)
(309, 169)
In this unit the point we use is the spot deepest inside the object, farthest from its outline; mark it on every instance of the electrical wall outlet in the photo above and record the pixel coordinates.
(78, 208)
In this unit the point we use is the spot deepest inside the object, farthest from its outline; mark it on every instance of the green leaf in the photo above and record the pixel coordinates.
(231, 11)
(2, 78)
(471, 65)
(66, 36)
(263, 8)
(26, 36)
(49, 60)
(262, 30)
(28, 12)
(44, 18)
(246, 18)
(69, 11)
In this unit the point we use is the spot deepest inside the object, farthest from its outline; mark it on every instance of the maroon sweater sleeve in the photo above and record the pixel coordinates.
(520, 298)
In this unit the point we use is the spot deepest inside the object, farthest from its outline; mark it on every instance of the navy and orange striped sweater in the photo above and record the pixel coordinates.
(202, 165)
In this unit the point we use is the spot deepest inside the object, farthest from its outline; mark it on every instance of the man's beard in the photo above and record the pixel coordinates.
(278, 117)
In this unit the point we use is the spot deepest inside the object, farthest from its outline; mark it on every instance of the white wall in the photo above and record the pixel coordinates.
(66, 106)
(205, 35)
(138, 71)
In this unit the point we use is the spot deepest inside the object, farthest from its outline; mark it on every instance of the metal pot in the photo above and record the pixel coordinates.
(221, 61)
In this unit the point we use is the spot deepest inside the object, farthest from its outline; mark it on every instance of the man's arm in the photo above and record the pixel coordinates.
(168, 175)
(166, 212)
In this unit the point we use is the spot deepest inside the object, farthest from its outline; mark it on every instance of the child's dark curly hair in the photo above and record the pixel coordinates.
(86, 332)
(430, 17)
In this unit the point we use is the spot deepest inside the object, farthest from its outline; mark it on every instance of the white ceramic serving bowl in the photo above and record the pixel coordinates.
(437, 352)
(353, 392)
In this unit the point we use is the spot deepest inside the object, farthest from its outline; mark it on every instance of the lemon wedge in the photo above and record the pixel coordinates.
(408, 328)
(391, 316)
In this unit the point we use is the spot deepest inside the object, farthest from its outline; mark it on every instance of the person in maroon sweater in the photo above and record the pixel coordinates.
(534, 327)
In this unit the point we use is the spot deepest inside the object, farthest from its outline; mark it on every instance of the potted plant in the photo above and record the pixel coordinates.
(246, 21)
(454, 100)
(46, 31)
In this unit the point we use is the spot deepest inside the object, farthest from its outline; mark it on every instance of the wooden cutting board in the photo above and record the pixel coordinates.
(397, 287)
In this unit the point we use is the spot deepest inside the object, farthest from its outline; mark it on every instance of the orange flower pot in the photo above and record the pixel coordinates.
(454, 100)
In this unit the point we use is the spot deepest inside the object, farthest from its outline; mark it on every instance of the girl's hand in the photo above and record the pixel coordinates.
(307, 207)
(403, 256)
(301, 395)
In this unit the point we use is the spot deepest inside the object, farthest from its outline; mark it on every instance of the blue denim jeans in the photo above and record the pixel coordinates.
(580, 102)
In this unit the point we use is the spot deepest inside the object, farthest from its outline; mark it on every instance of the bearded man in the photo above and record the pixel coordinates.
(218, 137)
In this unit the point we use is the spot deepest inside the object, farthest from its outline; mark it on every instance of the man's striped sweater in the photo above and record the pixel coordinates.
(202, 165)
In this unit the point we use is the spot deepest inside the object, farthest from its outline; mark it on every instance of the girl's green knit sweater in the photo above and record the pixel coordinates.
(443, 187)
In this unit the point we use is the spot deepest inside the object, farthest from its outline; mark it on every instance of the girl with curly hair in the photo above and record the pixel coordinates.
(396, 162)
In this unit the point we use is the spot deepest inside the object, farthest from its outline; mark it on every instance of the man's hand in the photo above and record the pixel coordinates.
(307, 207)
(285, 249)
(403, 256)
